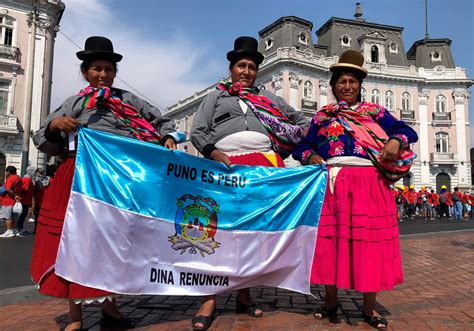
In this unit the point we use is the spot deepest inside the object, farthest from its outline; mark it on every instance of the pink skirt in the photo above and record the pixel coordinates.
(358, 244)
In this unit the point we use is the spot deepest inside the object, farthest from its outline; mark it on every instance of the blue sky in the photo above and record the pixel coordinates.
(173, 48)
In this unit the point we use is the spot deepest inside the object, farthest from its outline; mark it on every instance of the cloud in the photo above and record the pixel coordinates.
(163, 70)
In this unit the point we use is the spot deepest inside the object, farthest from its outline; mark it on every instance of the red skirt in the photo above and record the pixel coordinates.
(358, 244)
(48, 235)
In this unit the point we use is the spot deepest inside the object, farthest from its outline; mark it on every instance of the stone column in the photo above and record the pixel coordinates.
(323, 93)
(424, 156)
(459, 96)
(295, 80)
(277, 81)
(13, 90)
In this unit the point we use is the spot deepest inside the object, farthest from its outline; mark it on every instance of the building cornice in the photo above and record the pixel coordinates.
(335, 20)
(432, 42)
(183, 105)
(306, 58)
(48, 9)
(283, 20)
(290, 58)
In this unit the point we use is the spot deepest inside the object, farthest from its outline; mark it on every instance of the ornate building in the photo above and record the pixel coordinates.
(421, 86)
(16, 18)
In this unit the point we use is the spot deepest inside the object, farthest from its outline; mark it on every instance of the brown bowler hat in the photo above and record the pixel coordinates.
(350, 60)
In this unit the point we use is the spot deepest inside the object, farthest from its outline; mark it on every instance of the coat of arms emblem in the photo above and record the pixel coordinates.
(196, 225)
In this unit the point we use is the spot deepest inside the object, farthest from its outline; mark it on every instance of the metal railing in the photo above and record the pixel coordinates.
(407, 115)
(445, 158)
(8, 124)
(309, 105)
(10, 53)
(441, 117)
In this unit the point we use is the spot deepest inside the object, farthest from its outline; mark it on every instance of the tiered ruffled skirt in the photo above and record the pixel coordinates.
(358, 243)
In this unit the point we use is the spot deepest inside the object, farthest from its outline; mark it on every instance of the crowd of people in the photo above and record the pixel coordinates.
(27, 192)
(361, 143)
(429, 204)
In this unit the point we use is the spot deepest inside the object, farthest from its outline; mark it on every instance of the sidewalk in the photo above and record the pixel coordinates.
(438, 294)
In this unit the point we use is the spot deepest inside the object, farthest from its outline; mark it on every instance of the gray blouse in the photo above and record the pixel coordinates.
(97, 119)
(220, 115)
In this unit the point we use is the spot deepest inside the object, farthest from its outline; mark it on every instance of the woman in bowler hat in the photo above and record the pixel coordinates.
(358, 244)
(229, 127)
(101, 107)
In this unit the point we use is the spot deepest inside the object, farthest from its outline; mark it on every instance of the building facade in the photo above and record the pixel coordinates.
(421, 86)
(15, 42)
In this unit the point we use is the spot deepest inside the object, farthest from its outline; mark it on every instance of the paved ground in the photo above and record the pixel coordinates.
(438, 294)
(15, 258)
(419, 225)
(15, 253)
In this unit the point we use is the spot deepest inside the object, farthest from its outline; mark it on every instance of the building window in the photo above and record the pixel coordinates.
(268, 43)
(406, 101)
(6, 31)
(186, 124)
(374, 54)
(345, 40)
(389, 100)
(308, 90)
(393, 48)
(8, 36)
(435, 56)
(303, 38)
(363, 94)
(4, 94)
(440, 104)
(375, 97)
(442, 140)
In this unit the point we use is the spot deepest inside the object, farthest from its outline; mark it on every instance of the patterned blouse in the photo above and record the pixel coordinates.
(328, 138)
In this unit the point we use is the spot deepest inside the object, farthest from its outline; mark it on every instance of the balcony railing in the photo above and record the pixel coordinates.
(441, 117)
(10, 53)
(407, 115)
(8, 124)
(443, 158)
(309, 105)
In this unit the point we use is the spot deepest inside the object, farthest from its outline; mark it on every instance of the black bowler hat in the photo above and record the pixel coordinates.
(243, 47)
(98, 48)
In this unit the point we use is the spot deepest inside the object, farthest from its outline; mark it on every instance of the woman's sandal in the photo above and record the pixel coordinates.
(330, 313)
(206, 321)
(75, 329)
(375, 321)
(250, 310)
(109, 320)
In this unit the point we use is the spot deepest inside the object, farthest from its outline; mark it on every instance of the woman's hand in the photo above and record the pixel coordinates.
(170, 144)
(390, 150)
(66, 124)
(316, 159)
(219, 156)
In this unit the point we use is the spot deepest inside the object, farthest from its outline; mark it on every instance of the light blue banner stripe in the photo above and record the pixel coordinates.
(153, 181)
